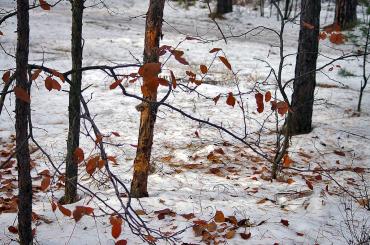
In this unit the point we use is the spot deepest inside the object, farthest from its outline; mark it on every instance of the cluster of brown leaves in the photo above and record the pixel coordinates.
(220, 229)
(334, 33)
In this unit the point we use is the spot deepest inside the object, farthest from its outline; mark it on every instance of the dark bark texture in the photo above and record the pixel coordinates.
(153, 33)
(22, 110)
(224, 6)
(74, 103)
(300, 120)
(345, 13)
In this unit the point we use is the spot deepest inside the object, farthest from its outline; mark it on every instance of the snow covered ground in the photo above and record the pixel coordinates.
(184, 180)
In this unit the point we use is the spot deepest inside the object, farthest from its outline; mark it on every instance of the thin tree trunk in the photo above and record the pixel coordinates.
(74, 103)
(286, 9)
(22, 110)
(345, 13)
(153, 32)
(224, 6)
(300, 120)
(364, 75)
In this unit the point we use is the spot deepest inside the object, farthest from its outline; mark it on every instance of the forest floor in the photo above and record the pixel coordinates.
(198, 170)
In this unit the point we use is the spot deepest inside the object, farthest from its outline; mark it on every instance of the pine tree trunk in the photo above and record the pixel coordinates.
(224, 6)
(74, 103)
(22, 110)
(153, 32)
(345, 13)
(300, 120)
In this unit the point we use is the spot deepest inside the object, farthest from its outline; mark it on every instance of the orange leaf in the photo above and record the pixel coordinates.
(337, 38)
(49, 83)
(6, 77)
(56, 85)
(121, 242)
(13, 229)
(290, 181)
(92, 164)
(81, 211)
(78, 155)
(173, 80)
(112, 159)
(116, 134)
(358, 170)
(163, 81)
(115, 84)
(230, 234)
(22, 94)
(246, 236)
(339, 153)
(116, 223)
(267, 96)
(88, 210)
(309, 184)
(36, 74)
(77, 214)
(333, 27)
(284, 222)
(203, 69)
(53, 206)
(45, 183)
(215, 99)
(282, 107)
(150, 238)
(214, 50)
(287, 162)
(230, 99)
(188, 216)
(99, 138)
(308, 25)
(190, 74)
(259, 102)
(64, 210)
(58, 74)
(178, 56)
(322, 35)
(101, 163)
(225, 61)
(44, 5)
(219, 217)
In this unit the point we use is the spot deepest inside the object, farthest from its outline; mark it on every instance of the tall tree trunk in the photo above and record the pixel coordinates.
(262, 7)
(224, 6)
(345, 13)
(300, 120)
(22, 110)
(74, 103)
(153, 32)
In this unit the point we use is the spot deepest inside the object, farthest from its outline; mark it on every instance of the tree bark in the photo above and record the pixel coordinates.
(22, 110)
(224, 6)
(300, 120)
(73, 140)
(153, 33)
(345, 13)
